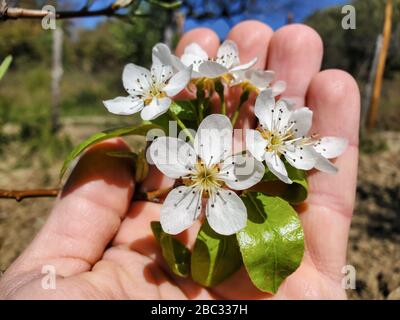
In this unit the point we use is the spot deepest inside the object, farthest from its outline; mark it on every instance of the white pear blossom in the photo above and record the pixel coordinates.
(226, 64)
(209, 172)
(283, 132)
(329, 148)
(150, 91)
(259, 80)
(162, 53)
(194, 55)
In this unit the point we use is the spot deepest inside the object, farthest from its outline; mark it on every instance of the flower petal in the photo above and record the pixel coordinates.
(162, 53)
(180, 209)
(226, 212)
(276, 166)
(238, 77)
(255, 144)
(278, 87)
(244, 66)
(191, 60)
(194, 56)
(301, 157)
(178, 82)
(241, 172)
(302, 121)
(331, 147)
(228, 54)
(124, 105)
(265, 103)
(325, 165)
(212, 69)
(261, 79)
(173, 157)
(281, 115)
(157, 107)
(161, 73)
(196, 50)
(135, 79)
(213, 140)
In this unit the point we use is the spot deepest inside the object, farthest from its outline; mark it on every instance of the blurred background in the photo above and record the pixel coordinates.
(50, 100)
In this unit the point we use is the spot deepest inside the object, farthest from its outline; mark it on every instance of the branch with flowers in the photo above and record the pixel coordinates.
(244, 197)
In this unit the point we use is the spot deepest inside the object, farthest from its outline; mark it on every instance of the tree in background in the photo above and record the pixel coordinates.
(353, 50)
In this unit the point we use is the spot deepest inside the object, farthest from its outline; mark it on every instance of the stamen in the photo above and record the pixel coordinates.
(183, 196)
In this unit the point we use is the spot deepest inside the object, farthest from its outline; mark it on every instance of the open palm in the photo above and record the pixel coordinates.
(101, 244)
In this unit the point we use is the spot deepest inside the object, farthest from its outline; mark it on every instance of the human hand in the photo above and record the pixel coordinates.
(101, 244)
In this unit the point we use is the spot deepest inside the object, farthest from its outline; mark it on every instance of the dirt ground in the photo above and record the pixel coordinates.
(374, 245)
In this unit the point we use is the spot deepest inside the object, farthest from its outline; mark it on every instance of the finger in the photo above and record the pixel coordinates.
(155, 180)
(209, 41)
(139, 219)
(86, 215)
(295, 54)
(204, 37)
(334, 98)
(253, 39)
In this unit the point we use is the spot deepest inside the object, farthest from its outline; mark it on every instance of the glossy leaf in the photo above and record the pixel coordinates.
(184, 110)
(5, 65)
(272, 243)
(294, 193)
(101, 136)
(174, 252)
(215, 257)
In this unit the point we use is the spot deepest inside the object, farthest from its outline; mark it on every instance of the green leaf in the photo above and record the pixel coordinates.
(215, 257)
(100, 136)
(174, 252)
(272, 243)
(162, 122)
(5, 65)
(185, 110)
(294, 193)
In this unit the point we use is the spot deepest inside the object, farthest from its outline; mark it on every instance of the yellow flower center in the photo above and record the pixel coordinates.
(275, 140)
(205, 177)
(154, 92)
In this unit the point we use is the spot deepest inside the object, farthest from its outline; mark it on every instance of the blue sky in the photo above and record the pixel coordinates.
(272, 12)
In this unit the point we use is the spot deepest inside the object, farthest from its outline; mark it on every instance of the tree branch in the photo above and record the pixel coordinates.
(22, 13)
(19, 195)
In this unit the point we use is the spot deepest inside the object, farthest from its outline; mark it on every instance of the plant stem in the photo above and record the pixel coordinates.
(223, 107)
(201, 111)
(219, 88)
(181, 125)
(243, 98)
(19, 195)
